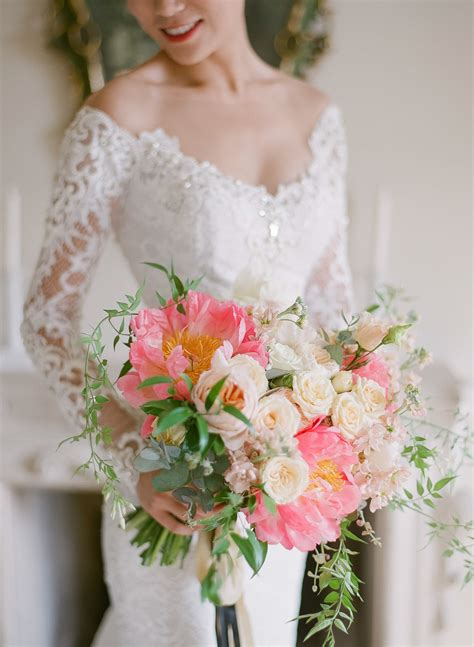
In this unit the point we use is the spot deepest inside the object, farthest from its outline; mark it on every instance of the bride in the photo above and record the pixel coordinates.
(206, 155)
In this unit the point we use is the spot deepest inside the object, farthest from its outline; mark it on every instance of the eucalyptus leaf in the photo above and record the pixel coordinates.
(145, 465)
(335, 352)
(214, 482)
(171, 479)
(186, 495)
(220, 464)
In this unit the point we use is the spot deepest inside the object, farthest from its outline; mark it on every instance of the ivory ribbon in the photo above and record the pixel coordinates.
(234, 575)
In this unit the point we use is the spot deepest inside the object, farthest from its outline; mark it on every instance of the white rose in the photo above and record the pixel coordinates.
(348, 415)
(285, 478)
(239, 390)
(288, 333)
(323, 358)
(284, 358)
(313, 392)
(342, 381)
(371, 395)
(255, 369)
(277, 417)
(370, 331)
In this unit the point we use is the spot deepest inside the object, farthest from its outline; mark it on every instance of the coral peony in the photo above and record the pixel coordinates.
(315, 516)
(168, 343)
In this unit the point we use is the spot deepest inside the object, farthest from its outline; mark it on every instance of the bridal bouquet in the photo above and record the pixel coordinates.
(251, 413)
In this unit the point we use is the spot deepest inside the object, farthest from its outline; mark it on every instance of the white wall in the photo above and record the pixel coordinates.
(402, 72)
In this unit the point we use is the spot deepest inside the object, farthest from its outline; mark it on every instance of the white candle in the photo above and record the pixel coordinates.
(13, 269)
(383, 230)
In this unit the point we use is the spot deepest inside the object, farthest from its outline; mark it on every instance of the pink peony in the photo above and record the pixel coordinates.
(331, 495)
(168, 343)
(147, 427)
(376, 369)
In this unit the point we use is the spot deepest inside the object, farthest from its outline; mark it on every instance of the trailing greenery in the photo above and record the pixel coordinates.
(334, 576)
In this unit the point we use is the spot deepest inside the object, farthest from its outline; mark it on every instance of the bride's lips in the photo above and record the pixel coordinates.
(183, 32)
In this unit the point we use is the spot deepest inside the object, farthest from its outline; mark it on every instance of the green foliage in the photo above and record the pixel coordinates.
(176, 416)
(233, 411)
(157, 379)
(210, 586)
(336, 352)
(156, 540)
(253, 550)
(419, 454)
(214, 392)
(170, 479)
(334, 575)
(285, 380)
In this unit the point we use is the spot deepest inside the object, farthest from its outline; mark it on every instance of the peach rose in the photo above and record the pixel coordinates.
(239, 390)
(370, 331)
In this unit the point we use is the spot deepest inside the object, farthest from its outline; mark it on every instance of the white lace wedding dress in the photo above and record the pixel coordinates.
(163, 204)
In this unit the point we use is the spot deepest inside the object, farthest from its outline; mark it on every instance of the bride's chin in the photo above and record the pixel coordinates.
(193, 56)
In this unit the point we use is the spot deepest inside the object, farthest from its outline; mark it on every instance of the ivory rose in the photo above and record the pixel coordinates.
(254, 368)
(342, 381)
(284, 357)
(313, 392)
(277, 419)
(285, 478)
(370, 331)
(371, 395)
(329, 496)
(239, 390)
(347, 415)
(322, 358)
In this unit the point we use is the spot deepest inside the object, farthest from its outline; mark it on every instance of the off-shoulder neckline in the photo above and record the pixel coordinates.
(159, 133)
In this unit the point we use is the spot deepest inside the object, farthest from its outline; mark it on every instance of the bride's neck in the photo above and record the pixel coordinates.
(227, 71)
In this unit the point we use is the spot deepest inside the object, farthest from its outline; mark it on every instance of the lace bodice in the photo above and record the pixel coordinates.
(162, 205)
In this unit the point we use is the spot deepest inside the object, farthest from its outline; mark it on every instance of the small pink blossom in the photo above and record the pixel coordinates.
(241, 473)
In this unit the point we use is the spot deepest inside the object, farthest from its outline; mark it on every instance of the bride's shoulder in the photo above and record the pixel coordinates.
(128, 99)
(305, 99)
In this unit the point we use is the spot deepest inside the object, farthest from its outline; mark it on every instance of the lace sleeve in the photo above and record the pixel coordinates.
(329, 290)
(95, 164)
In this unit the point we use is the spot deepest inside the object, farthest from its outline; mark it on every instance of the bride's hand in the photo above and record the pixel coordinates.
(162, 506)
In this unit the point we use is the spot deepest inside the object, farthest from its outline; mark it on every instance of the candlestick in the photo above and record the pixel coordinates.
(13, 270)
(383, 230)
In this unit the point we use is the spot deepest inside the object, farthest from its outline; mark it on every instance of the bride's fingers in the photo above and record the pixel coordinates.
(168, 521)
(176, 508)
